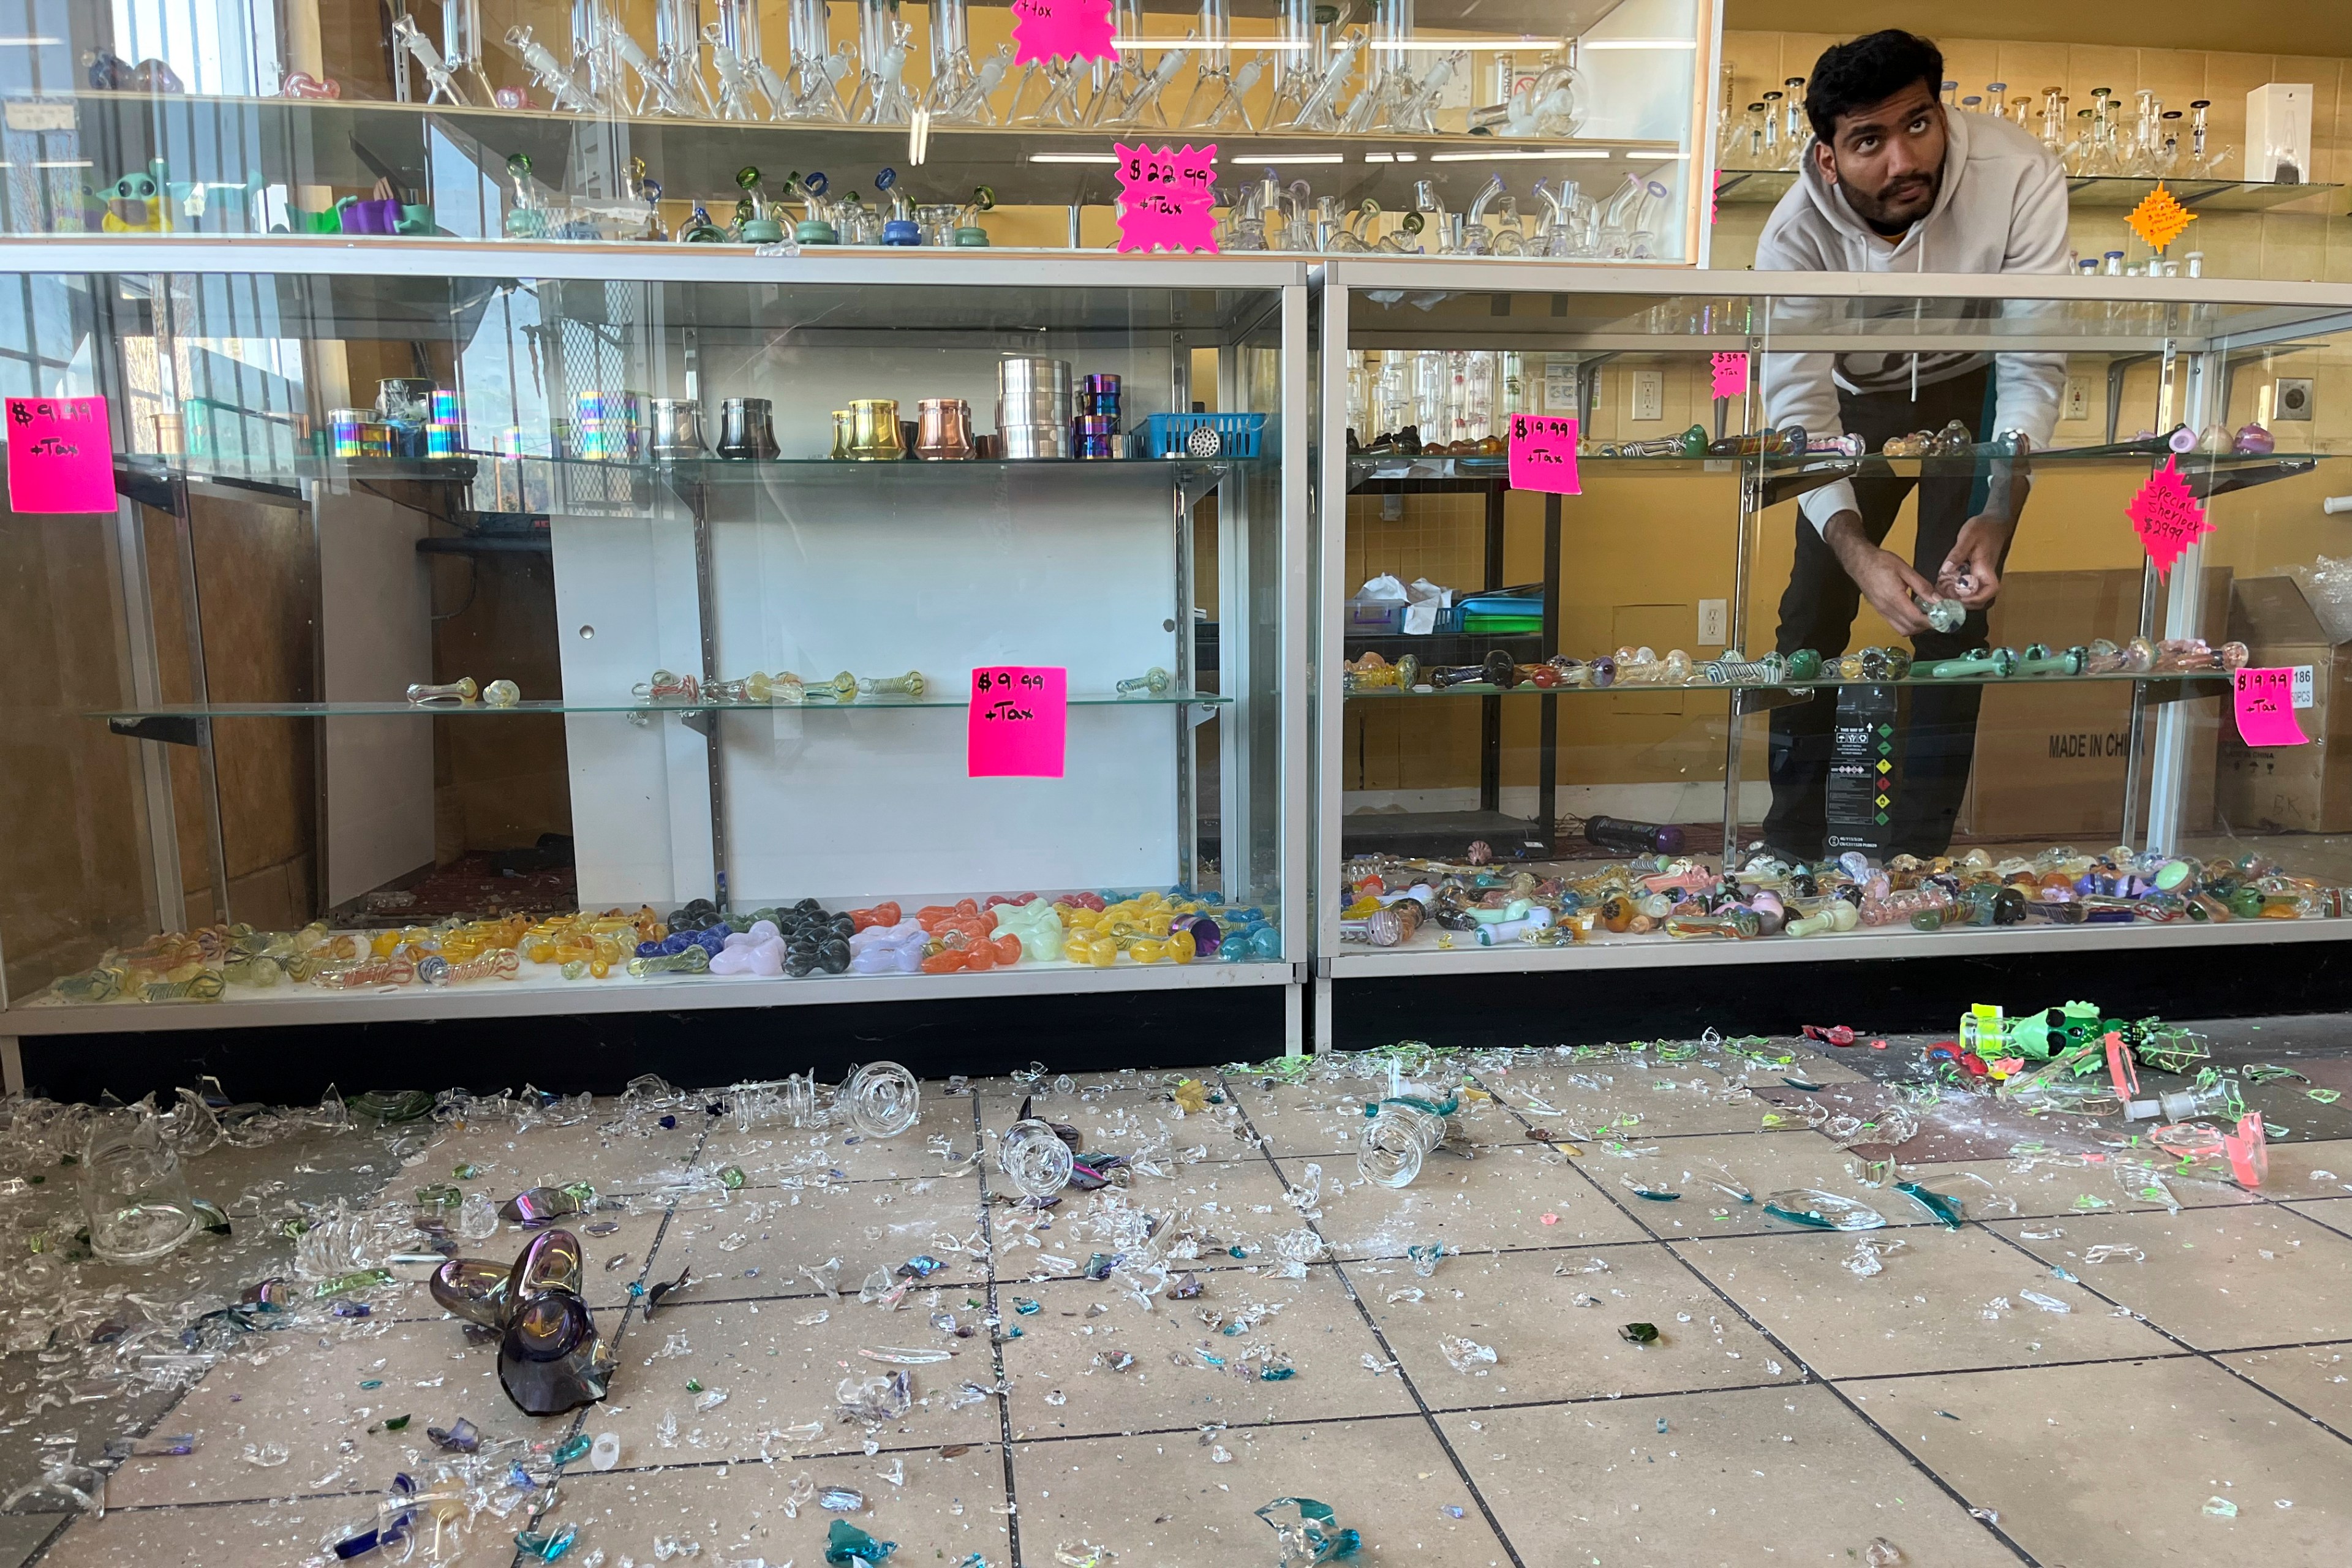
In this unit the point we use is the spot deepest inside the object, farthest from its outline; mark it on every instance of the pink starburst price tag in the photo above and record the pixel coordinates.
(1164, 199)
(1543, 455)
(2168, 518)
(1061, 30)
(1731, 374)
(2264, 699)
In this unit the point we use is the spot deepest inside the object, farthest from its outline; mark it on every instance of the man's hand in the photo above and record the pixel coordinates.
(1884, 578)
(1971, 573)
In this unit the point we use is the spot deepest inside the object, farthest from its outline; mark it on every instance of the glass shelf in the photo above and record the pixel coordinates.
(1362, 470)
(348, 143)
(2118, 193)
(711, 471)
(2215, 677)
(387, 707)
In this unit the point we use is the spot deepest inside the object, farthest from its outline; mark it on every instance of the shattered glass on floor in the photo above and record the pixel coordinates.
(1666, 1303)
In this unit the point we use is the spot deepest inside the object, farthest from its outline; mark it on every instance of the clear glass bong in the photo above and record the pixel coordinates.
(883, 44)
(1218, 90)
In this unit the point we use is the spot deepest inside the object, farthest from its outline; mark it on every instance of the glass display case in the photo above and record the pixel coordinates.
(543, 629)
(1639, 725)
(1572, 130)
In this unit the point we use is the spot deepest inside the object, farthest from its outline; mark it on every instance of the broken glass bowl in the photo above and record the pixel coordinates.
(883, 1099)
(1821, 1210)
(132, 1189)
(1402, 1132)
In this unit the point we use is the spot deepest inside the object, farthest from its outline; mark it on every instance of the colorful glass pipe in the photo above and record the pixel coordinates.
(1153, 681)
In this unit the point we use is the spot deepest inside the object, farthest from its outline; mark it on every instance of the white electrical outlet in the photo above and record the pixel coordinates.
(2078, 399)
(1649, 395)
(1713, 620)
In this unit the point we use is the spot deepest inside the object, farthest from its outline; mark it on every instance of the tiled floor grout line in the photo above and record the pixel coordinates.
(2211, 1358)
(1992, 1526)
(1364, 1312)
(996, 1335)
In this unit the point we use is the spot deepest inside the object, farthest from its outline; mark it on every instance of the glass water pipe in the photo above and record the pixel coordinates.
(437, 75)
(819, 66)
(883, 42)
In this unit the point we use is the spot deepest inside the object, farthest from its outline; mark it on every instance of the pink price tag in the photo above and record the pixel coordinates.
(2264, 699)
(1731, 373)
(1164, 199)
(1062, 30)
(1543, 455)
(2168, 518)
(1019, 723)
(60, 455)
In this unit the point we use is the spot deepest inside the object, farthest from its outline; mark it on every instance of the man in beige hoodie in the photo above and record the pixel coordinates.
(1893, 182)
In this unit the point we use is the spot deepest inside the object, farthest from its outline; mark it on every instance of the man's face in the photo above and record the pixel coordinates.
(1888, 157)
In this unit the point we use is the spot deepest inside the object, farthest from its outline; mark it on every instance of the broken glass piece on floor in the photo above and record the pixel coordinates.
(1882, 1553)
(1426, 1257)
(605, 1451)
(460, 1437)
(1656, 1194)
(1639, 1333)
(1944, 1208)
(1870, 1253)
(2108, 1252)
(2220, 1507)
(1821, 1210)
(266, 1456)
(152, 1446)
(1308, 1531)
(845, 1544)
(841, 1500)
(547, 1545)
(1466, 1354)
(657, 1293)
(2047, 1303)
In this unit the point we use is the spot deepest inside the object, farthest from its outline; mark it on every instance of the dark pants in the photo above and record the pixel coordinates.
(1818, 610)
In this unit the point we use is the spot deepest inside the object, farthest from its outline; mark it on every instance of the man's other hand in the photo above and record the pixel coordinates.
(1971, 573)
(1884, 578)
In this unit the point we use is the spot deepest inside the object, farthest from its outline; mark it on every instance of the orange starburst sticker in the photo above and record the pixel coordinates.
(2159, 217)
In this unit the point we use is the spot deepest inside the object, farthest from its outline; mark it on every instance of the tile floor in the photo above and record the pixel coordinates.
(2078, 1375)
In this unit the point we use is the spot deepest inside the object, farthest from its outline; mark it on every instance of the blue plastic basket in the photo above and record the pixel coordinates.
(1167, 435)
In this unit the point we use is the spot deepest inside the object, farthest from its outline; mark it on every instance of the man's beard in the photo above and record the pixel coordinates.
(1915, 193)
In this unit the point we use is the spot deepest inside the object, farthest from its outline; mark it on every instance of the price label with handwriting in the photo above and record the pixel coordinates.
(2264, 699)
(1543, 454)
(1165, 198)
(1062, 30)
(60, 455)
(1019, 723)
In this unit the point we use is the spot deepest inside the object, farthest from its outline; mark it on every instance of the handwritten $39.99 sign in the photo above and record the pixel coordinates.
(1018, 725)
(1543, 455)
(1165, 198)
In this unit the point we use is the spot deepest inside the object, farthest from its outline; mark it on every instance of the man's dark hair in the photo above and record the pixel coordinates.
(1868, 70)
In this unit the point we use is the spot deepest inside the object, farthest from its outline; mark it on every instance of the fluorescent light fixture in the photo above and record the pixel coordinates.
(1073, 157)
(919, 136)
(1271, 156)
(1436, 46)
(20, 41)
(1638, 44)
(1209, 46)
(62, 164)
(1516, 157)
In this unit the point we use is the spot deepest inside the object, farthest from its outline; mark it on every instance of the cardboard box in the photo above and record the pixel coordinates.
(2052, 756)
(2291, 789)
